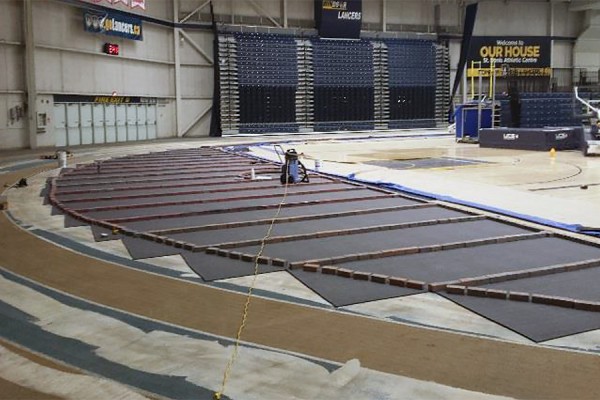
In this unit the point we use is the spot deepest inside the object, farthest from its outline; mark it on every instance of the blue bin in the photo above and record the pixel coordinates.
(466, 120)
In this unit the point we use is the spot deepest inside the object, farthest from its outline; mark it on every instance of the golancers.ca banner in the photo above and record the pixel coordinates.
(517, 55)
(113, 24)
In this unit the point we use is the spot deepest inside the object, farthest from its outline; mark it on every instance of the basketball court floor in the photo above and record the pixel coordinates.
(410, 266)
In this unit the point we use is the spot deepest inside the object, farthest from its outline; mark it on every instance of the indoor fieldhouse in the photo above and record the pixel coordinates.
(275, 199)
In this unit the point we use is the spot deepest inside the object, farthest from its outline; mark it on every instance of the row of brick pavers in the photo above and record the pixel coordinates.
(246, 208)
(422, 249)
(515, 275)
(65, 190)
(325, 266)
(99, 175)
(365, 276)
(558, 301)
(151, 181)
(167, 158)
(159, 236)
(92, 169)
(222, 251)
(181, 193)
(462, 289)
(114, 226)
(216, 200)
(345, 232)
(228, 225)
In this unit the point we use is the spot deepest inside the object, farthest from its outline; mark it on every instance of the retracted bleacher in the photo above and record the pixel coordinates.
(291, 83)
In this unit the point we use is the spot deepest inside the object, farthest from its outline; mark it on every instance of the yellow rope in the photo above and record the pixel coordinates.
(234, 353)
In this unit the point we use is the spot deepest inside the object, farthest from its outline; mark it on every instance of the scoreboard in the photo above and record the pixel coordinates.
(340, 19)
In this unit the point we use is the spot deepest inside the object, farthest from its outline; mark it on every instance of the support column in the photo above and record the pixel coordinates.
(30, 73)
(551, 32)
(384, 15)
(176, 43)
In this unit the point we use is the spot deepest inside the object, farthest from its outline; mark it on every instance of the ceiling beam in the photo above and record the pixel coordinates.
(584, 5)
(262, 13)
(197, 9)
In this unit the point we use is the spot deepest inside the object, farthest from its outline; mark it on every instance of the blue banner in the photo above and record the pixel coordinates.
(113, 24)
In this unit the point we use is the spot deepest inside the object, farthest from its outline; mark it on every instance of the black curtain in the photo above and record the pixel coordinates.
(470, 14)
(215, 118)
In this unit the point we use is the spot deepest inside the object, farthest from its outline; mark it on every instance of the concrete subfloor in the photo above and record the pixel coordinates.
(530, 183)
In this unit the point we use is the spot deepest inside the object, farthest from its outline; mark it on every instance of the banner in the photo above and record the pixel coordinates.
(68, 98)
(519, 56)
(114, 24)
(138, 3)
(338, 19)
(125, 2)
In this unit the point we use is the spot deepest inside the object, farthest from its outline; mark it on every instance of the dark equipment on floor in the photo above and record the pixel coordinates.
(292, 168)
(22, 183)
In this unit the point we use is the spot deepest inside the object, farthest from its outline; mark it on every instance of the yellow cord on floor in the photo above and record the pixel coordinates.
(238, 338)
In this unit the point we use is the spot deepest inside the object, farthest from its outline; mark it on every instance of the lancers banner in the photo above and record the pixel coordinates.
(523, 55)
(338, 19)
(114, 24)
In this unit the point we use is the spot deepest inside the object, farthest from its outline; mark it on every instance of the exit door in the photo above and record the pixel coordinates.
(60, 124)
(131, 122)
(121, 112)
(110, 123)
(98, 124)
(87, 133)
(151, 121)
(73, 134)
(141, 122)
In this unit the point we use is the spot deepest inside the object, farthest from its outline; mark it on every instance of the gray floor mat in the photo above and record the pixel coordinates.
(336, 223)
(65, 186)
(345, 291)
(71, 222)
(56, 211)
(157, 175)
(142, 248)
(537, 322)
(155, 201)
(310, 209)
(581, 285)
(211, 267)
(454, 264)
(220, 205)
(153, 190)
(375, 241)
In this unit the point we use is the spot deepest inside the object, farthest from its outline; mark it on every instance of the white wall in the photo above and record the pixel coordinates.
(587, 48)
(12, 79)
(70, 61)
